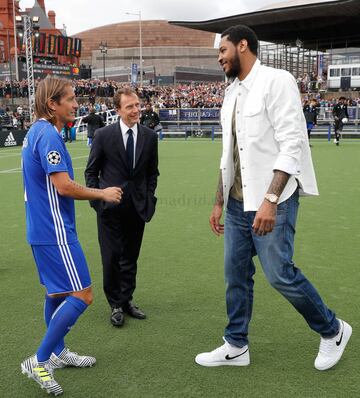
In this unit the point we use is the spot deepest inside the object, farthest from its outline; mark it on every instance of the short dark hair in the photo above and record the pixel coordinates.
(240, 32)
(119, 93)
(342, 98)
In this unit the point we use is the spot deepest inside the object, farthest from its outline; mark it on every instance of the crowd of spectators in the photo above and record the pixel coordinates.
(16, 89)
(329, 103)
(179, 95)
(203, 95)
(99, 93)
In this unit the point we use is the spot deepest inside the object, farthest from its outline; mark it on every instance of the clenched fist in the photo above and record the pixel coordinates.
(112, 194)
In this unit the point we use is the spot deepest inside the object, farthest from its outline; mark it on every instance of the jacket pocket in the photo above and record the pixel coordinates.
(253, 119)
(253, 110)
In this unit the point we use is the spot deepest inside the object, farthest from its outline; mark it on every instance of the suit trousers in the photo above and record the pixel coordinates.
(120, 233)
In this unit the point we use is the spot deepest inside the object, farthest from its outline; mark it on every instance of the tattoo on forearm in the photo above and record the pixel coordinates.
(82, 187)
(278, 182)
(219, 198)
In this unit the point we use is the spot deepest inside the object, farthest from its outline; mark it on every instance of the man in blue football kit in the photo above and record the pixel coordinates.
(50, 220)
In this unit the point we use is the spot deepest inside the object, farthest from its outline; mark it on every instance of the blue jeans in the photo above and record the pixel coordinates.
(275, 251)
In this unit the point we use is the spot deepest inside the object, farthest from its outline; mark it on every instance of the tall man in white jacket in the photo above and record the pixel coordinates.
(265, 165)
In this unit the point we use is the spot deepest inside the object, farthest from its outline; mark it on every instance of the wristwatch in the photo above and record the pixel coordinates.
(272, 198)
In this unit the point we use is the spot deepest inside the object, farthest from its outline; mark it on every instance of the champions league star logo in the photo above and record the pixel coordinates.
(54, 157)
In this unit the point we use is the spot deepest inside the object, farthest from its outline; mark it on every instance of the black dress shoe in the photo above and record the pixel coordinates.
(131, 309)
(117, 317)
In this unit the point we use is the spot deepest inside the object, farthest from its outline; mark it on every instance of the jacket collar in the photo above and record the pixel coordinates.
(250, 78)
(248, 81)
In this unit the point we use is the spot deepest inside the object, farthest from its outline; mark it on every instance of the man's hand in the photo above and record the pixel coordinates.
(214, 220)
(265, 218)
(112, 194)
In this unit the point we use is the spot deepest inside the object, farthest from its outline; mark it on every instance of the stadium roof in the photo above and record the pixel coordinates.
(155, 33)
(321, 24)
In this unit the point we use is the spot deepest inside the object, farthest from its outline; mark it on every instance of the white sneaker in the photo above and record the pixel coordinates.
(42, 374)
(68, 358)
(227, 354)
(331, 350)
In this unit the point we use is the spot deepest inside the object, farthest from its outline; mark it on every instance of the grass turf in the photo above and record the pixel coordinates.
(181, 288)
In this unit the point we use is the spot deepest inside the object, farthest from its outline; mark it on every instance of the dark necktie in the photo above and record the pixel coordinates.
(130, 149)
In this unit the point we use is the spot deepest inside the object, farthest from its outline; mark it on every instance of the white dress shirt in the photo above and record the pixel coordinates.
(124, 129)
(271, 134)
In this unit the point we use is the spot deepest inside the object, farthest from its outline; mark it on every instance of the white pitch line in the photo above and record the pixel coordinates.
(17, 170)
(10, 156)
(80, 157)
(7, 150)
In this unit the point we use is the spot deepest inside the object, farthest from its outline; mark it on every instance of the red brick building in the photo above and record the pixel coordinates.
(52, 43)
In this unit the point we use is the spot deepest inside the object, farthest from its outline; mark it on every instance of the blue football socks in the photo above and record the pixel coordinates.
(50, 305)
(62, 319)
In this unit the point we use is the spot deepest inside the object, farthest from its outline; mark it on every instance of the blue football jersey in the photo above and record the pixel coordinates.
(50, 217)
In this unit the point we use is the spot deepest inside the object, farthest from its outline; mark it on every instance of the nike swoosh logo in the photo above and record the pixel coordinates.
(339, 341)
(236, 356)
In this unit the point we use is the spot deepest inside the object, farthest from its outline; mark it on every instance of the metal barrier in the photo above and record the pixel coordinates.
(325, 114)
(81, 127)
(200, 122)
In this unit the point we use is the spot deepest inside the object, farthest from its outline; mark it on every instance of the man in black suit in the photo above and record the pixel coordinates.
(123, 154)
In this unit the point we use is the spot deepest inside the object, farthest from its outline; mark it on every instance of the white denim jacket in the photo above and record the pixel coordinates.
(271, 134)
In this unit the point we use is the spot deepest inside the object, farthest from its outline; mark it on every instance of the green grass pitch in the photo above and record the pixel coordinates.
(181, 288)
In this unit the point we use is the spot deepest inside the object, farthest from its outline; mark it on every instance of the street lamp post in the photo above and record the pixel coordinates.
(140, 45)
(103, 48)
(15, 45)
(10, 68)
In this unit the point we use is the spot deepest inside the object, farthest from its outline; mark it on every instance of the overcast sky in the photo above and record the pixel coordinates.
(80, 15)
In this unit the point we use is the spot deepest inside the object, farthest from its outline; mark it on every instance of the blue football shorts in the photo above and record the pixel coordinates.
(62, 268)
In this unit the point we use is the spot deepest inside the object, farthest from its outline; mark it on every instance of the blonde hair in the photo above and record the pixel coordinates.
(49, 88)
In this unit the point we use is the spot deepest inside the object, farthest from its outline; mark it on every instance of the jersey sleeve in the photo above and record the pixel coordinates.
(52, 152)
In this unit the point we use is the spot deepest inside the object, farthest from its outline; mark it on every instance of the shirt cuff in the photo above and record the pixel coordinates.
(287, 164)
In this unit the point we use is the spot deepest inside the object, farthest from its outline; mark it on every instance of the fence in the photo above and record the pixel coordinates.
(204, 122)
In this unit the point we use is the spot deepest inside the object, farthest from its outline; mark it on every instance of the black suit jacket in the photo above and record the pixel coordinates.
(107, 166)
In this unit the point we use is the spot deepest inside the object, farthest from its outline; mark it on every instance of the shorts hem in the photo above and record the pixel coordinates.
(67, 292)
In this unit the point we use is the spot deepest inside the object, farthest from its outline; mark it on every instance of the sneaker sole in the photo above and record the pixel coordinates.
(72, 366)
(346, 340)
(213, 364)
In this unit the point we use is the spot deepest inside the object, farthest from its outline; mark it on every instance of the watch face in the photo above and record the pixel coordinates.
(271, 197)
